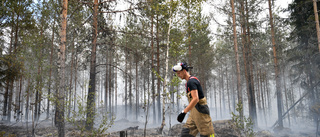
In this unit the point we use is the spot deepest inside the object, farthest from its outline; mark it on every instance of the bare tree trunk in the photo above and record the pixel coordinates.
(130, 87)
(5, 103)
(315, 9)
(158, 71)
(50, 72)
(221, 90)
(223, 99)
(152, 75)
(92, 81)
(137, 87)
(252, 103)
(71, 76)
(39, 80)
(228, 92)
(277, 77)
(110, 82)
(244, 48)
(61, 68)
(263, 96)
(27, 102)
(165, 78)
(126, 83)
(75, 84)
(19, 106)
(286, 94)
(268, 96)
(116, 85)
(258, 92)
(215, 97)
(10, 100)
(106, 86)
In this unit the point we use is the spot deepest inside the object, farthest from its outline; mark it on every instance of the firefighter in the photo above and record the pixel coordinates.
(199, 119)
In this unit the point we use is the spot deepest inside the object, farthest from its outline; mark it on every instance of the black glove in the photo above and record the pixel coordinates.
(181, 116)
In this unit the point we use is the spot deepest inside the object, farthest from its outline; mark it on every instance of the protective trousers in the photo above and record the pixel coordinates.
(199, 120)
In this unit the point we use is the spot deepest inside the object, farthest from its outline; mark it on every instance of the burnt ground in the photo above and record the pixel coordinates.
(223, 128)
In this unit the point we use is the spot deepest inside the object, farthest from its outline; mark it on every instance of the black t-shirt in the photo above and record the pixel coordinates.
(194, 84)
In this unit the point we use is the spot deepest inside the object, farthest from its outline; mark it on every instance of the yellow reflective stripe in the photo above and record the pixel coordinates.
(212, 135)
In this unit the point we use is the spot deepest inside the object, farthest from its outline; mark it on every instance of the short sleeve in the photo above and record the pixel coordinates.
(192, 85)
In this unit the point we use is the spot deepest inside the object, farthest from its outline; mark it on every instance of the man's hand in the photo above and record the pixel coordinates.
(181, 116)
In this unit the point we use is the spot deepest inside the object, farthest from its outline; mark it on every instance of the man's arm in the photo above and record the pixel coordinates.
(194, 101)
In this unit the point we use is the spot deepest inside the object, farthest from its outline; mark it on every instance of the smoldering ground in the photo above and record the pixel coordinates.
(298, 127)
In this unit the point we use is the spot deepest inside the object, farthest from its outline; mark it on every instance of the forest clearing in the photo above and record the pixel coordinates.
(119, 67)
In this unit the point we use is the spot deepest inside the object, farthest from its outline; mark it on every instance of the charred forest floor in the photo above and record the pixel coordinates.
(46, 128)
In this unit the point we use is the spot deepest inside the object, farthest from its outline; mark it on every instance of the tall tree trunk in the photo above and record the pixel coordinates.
(27, 101)
(263, 96)
(130, 86)
(10, 99)
(228, 92)
(61, 68)
(106, 86)
(38, 78)
(116, 85)
(126, 83)
(221, 90)
(258, 91)
(137, 90)
(71, 76)
(223, 99)
(92, 81)
(50, 72)
(158, 71)
(252, 103)
(277, 77)
(19, 109)
(215, 97)
(110, 82)
(286, 94)
(165, 77)
(152, 74)
(315, 9)
(75, 84)
(6, 97)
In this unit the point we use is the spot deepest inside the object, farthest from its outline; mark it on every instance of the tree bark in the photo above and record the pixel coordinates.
(116, 85)
(137, 87)
(27, 101)
(277, 77)
(166, 76)
(50, 71)
(106, 87)
(75, 84)
(252, 103)
(92, 81)
(126, 82)
(61, 68)
(315, 9)
(158, 71)
(152, 73)
(130, 87)
(71, 77)
(110, 82)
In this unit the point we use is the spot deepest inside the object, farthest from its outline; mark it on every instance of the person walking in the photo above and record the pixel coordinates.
(199, 119)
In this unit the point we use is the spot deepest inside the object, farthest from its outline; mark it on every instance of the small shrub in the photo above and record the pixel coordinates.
(243, 126)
